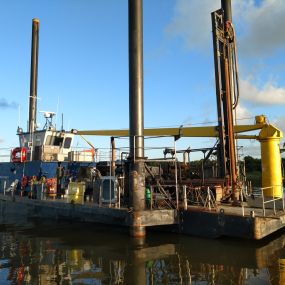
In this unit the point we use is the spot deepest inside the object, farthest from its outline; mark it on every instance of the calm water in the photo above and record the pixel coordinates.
(62, 253)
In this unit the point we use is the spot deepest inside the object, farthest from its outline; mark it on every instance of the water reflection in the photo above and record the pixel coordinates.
(45, 253)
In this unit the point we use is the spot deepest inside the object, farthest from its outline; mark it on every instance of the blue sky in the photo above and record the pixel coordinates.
(83, 64)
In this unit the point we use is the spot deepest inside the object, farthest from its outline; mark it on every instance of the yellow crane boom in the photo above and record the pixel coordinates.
(209, 131)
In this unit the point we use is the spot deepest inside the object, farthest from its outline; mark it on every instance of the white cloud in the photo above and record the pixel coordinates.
(260, 31)
(279, 122)
(252, 149)
(243, 115)
(268, 94)
(263, 26)
(192, 22)
(260, 27)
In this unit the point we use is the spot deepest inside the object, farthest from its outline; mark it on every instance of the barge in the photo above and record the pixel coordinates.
(47, 179)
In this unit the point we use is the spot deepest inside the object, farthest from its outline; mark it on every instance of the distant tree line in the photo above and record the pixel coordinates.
(252, 168)
(252, 164)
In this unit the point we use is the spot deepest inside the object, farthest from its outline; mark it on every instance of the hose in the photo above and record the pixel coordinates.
(235, 65)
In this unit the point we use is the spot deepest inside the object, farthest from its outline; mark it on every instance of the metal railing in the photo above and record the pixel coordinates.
(199, 196)
(161, 197)
(172, 196)
(4, 179)
(274, 198)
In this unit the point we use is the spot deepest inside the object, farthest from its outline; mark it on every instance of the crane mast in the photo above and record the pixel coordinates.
(226, 75)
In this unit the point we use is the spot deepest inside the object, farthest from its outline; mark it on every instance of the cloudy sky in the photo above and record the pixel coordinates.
(83, 68)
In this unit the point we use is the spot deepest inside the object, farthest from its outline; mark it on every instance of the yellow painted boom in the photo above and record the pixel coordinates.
(209, 131)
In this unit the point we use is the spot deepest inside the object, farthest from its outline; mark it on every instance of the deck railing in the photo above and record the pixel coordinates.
(274, 198)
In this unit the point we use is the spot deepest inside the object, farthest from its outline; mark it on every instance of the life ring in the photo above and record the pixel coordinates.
(19, 154)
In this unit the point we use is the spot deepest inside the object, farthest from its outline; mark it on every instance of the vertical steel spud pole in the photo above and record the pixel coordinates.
(34, 76)
(136, 109)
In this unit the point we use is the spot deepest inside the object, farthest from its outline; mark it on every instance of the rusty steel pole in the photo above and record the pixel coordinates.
(223, 42)
(218, 48)
(228, 102)
(136, 109)
(34, 76)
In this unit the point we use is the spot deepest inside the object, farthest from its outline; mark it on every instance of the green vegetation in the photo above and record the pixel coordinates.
(252, 164)
(253, 170)
(255, 178)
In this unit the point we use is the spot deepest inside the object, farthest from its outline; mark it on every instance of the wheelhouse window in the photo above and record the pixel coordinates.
(58, 141)
(55, 141)
(67, 142)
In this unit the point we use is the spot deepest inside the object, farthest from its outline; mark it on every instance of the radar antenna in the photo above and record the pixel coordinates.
(48, 116)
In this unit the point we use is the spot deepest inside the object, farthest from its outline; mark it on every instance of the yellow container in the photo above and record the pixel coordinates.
(269, 138)
(76, 192)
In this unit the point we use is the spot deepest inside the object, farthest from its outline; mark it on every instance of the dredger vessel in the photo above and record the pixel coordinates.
(46, 178)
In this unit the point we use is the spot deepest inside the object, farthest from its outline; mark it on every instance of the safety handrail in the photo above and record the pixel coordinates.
(273, 200)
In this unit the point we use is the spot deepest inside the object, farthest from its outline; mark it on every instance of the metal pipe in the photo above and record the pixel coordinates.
(185, 206)
(176, 182)
(4, 186)
(217, 47)
(110, 182)
(136, 78)
(228, 104)
(136, 99)
(230, 136)
(34, 76)
(113, 159)
(161, 160)
(227, 8)
(136, 113)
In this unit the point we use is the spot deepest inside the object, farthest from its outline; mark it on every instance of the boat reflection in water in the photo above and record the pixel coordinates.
(79, 254)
